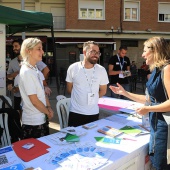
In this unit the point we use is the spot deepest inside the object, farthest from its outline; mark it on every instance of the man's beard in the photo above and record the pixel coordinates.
(92, 61)
(16, 53)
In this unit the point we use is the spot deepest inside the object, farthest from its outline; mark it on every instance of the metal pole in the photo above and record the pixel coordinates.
(22, 8)
(112, 37)
(112, 31)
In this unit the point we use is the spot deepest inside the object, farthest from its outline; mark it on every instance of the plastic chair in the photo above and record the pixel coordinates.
(62, 107)
(60, 97)
(5, 138)
(8, 99)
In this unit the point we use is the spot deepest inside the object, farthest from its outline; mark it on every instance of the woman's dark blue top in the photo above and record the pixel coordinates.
(158, 126)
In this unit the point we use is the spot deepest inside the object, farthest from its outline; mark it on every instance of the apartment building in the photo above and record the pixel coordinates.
(109, 22)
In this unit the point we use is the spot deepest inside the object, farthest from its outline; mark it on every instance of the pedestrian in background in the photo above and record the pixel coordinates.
(118, 64)
(133, 69)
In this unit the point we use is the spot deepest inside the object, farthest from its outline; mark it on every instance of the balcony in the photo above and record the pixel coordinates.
(59, 22)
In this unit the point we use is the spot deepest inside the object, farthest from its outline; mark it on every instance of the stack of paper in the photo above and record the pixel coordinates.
(144, 131)
(89, 125)
(71, 138)
(73, 131)
(110, 131)
(80, 156)
(130, 130)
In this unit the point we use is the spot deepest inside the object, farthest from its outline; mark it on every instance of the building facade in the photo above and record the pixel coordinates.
(109, 22)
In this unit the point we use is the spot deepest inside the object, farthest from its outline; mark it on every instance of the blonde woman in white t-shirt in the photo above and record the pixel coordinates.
(36, 106)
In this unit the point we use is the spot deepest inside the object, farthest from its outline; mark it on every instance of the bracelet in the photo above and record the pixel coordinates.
(48, 107)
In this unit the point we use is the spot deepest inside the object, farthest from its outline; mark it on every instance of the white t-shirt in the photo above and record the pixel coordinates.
(41, 65)
(76, 74)
(30, 83)
(14, 67)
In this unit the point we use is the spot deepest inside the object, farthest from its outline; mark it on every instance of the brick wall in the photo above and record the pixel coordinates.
(148, 17)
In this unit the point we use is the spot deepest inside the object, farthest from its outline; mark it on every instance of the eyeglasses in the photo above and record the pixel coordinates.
(93, 52)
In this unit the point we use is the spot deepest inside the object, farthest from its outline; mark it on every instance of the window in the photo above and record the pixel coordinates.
(131, 10)
(164, 12)
(91, 13)
(59, 19)
(83, 13)
(91, 9)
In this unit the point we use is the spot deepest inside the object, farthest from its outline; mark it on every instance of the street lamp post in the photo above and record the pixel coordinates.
(22, 8)
(112, 28)
(112, 36)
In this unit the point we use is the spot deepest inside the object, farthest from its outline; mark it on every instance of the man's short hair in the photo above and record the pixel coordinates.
(87, 44)
(123, 47)
(19, 41)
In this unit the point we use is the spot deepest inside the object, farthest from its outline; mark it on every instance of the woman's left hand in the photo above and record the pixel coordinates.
(142, 110)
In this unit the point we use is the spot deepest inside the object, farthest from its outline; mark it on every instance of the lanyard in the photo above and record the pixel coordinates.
(121, 64)
(35, 69)
(90, 84)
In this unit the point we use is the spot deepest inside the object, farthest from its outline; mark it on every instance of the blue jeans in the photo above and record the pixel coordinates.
(125, 86)
(158, 142)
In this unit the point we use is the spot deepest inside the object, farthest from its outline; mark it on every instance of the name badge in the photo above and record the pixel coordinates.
(91, 98)
(121, 76)
(117, 63)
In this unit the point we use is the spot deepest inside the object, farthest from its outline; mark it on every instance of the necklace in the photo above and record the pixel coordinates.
(35, 69)
(92, 79)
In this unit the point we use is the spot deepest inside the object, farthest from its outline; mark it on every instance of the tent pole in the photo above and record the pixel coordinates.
(23, 8)
(54, 58)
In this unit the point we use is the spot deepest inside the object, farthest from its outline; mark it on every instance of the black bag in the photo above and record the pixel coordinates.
(1, 131)
(14, 123)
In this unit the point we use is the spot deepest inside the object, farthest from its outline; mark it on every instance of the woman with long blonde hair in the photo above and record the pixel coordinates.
(157, 55)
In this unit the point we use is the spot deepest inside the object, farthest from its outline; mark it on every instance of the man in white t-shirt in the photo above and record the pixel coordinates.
(86, 81)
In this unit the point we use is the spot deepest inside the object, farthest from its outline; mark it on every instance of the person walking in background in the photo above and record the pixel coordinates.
(86, 81)
(133, 78)
(36, 106)
(144, 66)
(157, 56)
(133, 69)
(118, 64)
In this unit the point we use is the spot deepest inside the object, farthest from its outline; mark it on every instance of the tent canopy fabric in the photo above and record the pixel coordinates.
(24, 21)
